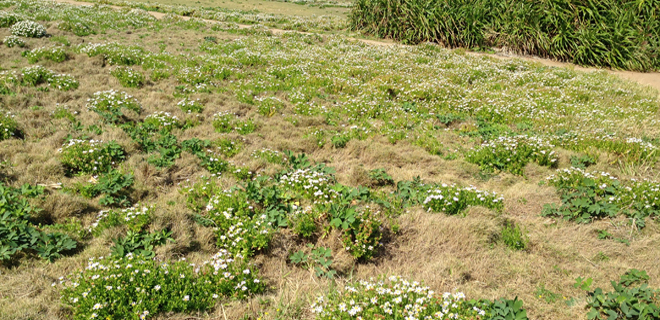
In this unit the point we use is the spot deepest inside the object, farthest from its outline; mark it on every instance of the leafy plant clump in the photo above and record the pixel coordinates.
(514, 237)
(587, 196)
(512, 154)
(133, 287)
(28, 29)
(8, 126)
(18, 234)
(631, 298)
(608, 33)
(90, 156)
(114, 186)
(135, 218)
(190, 106)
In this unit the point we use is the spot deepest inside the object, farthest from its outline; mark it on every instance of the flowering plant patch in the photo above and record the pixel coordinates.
(128, 77)
(188, 106)
(109, 104)
(393, 298)
(512, 154)
(55, 54)
(310, 184)
(90, 156)
(271, 156)
(239, 228)
(136, 218)
(162, 120)
(8, 126)
(28, 29)
(136, 288)
(13, 41)
(452, 199)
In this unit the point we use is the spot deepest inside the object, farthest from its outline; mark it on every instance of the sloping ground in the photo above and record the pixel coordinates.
(414, 111)
(651, 79)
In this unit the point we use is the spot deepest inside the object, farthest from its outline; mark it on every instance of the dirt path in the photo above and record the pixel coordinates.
(651, 79)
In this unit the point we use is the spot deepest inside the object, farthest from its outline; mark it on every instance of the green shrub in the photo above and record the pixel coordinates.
(90, 156)
(28, 29)
(55, 54)
(128, 77)
(136, 288)
(611, 33)
(109, 105)
(512, 154)
(269, 106)
(13, 41)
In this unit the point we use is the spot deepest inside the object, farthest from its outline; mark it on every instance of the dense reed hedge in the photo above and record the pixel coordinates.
(611, 33)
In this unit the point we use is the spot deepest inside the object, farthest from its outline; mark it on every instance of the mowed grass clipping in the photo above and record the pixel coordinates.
(610, 33)
(158, 168)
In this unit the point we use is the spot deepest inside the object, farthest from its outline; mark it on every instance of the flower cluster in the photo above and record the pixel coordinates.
(28, 29)
(452, 199)
(90, 156)
(162, 121)
(393, 298)
(310, 184)
(135, 218)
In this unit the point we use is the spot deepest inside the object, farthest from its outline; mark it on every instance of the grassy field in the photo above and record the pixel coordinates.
(266, 170)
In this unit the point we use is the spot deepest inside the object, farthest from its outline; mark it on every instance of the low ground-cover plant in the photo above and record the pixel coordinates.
(319, 260)
(188, 106)
(90, 156)
(55, 54)
(240, 228)
(631, 298)
(592, 195)
(133, 287)
(514, 237)
(271, 156)
(110, 104)
(225, 122)
(128, 77)
(114, 187)
(8, 126)
(28, 29)
(512, 154)
(396, 298)
(135, 218)
(13, 41)
(452, 199)
(18, 234)
(140, 243)
(8, 19)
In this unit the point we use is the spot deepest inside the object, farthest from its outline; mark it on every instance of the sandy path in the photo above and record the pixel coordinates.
(651, 79)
